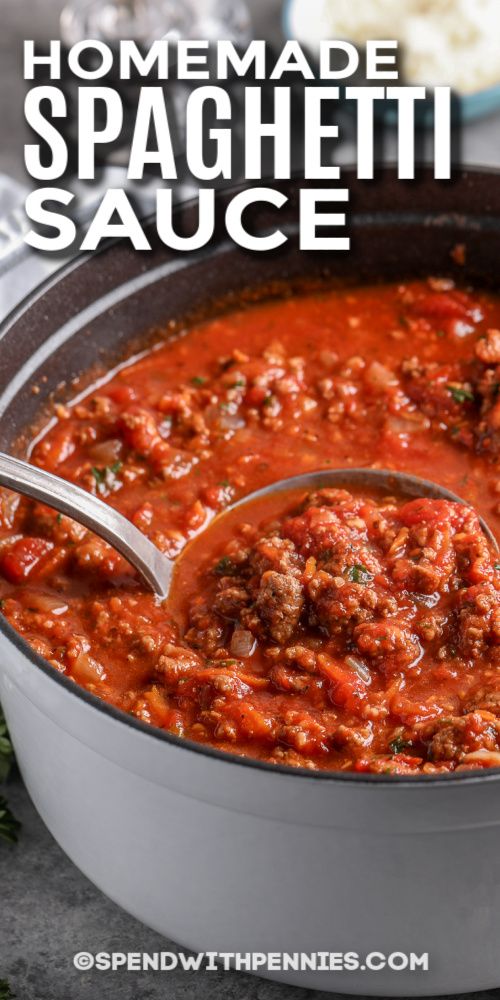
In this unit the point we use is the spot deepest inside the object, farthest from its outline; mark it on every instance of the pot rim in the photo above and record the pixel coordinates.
(204, 750)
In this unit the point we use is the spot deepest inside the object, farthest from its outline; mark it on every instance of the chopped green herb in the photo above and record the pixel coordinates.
(325, 555)
(359, 574)
(225, 567)
(5, 991)
(9, 825)
(100, 474)
(59, 519)
(268, 401)
(460, 395)
(6, 753)
(239, 384)
(497, 566)
(198, 380)
(399, 745)
(440, 333)
(225, 484)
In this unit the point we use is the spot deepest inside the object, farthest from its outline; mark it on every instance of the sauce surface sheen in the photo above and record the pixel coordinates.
(330, 631)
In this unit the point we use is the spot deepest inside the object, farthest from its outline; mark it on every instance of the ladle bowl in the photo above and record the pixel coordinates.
(153, 566)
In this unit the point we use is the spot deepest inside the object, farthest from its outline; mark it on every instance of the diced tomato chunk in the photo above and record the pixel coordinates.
(25, 558)
(121, 394)
(347, 688)
(447, 305)
(256, 395)
(57, 448)
(434, 512)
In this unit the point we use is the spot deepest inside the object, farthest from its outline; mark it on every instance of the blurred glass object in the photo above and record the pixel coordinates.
(144, 21)
(12, 216)
(12, 195)
(222, 19)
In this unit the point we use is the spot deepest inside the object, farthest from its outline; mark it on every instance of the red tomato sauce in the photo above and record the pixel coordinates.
(384, 660)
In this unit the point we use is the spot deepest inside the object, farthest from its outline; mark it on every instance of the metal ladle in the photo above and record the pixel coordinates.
(155, 568)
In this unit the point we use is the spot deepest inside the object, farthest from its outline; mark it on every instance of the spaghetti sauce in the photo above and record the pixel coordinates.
(325, 630)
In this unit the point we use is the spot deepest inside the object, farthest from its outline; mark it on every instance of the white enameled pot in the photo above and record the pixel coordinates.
(220, 853)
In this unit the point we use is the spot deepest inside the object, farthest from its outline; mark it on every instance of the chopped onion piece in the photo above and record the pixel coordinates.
(87, 670)
(489, 757)
(47, 603)
(106, 452)
(361, 669)
(379, 376)
(407, 424)
(242, 643)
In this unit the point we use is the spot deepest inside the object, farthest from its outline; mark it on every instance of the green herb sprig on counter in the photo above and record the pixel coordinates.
(5, 991)
(9, 825)
(6, 752)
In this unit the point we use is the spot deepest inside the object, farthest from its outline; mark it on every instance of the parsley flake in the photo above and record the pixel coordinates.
(225, 567)
(460, 395)
(399, 745)
(101, 474)
(359, 574)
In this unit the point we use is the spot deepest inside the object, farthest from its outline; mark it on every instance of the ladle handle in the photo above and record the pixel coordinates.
(153, 566)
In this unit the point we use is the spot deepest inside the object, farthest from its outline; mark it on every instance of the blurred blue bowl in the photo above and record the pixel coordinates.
(469, 107)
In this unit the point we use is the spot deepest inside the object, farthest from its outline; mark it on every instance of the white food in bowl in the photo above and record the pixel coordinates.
(448, 42)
